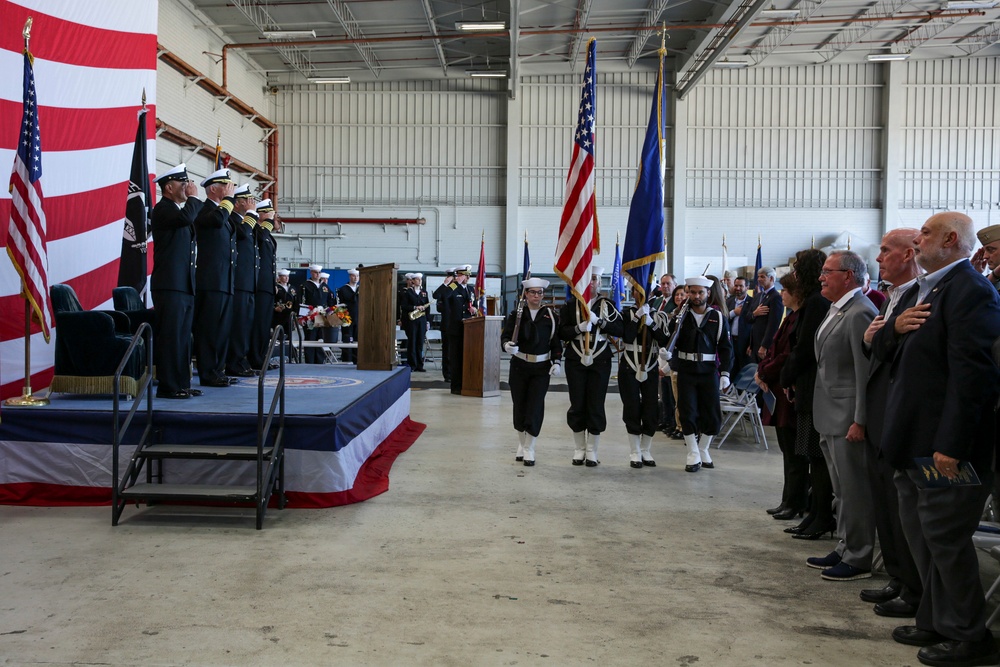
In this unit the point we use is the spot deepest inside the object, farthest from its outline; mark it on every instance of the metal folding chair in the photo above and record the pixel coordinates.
(741, 404)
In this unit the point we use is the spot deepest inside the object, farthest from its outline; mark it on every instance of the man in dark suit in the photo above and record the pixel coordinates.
(458, 301)
(840, 417)
(244, 286)
(900, 597)
(439, 295)
(263, 300)
(173, 282)
(943, 386)
(766, 310)
(738, 305)
(215, 273)
(347, 295)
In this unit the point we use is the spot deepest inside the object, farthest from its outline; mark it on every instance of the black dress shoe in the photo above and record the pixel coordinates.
(518, 458)
(529, 463)
(779, 508)
(578, 462)
(232, 380)
(635, 464)
(194, 392)
(649, 463)
(964, 654)
(592, 464)
(896, 608)
(218, 382)
(695, 468)
(180, 393)
(787, 513)
(708, 466)
(815, 532)
(914, 636)
(877, 595)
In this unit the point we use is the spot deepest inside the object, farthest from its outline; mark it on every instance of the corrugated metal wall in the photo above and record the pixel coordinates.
(802, 137)
(951, 152)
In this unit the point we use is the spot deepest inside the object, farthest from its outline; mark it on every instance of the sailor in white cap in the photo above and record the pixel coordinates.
(458, 306)
(439, 294)
(704, 357)
(643, 332)
(348, 295)
(316, 294)
(215, 273)
(173, 283)
(414, 305)
(286, 305)
(588, 366)
(529, 336)
(245, 286)
(263, 300)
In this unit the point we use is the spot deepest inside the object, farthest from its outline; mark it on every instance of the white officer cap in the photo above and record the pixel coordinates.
(698, 281)
(597, 271)
(243, 191)
(284, 272)
(417, 275)
(220, 176)
(534, 283)
(324, 275)
(353, 272)
(265, 206)
(178, 173)
(316, 267)
(408, 276)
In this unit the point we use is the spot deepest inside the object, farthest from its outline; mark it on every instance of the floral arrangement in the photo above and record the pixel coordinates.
(319, 317)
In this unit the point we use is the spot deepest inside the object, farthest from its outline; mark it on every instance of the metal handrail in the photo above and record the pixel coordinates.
(264, 424)
(145, 333)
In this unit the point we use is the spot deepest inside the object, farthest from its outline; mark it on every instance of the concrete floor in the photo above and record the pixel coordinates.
(468, 559)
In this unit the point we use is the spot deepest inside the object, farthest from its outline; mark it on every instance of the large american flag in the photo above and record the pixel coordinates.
(26, 234)
(578, 234)
(92, 60)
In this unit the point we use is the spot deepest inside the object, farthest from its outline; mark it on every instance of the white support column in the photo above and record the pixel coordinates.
(512, 257)
(893, 105)
(676, 246)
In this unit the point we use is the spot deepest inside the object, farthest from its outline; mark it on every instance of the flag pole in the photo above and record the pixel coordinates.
(26, 399)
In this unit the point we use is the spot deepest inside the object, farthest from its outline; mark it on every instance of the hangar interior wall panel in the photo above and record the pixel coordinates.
(784, 137)
(403, 143)
(549, 106)
(194, 110)
(951, 135)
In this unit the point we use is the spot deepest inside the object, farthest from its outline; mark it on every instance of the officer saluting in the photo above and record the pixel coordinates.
(173, 282)
(215, 274)
(286, 305)
(529, 336)
(263, 299)
(643, 331)
(703, 351)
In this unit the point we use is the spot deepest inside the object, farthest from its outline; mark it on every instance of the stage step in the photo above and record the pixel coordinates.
(189, 492)
(215, 452)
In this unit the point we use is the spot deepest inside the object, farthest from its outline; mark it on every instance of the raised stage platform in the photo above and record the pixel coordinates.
(343, 430)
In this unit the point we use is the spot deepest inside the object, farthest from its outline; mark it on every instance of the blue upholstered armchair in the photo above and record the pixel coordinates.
(127, 300)
(89, 347)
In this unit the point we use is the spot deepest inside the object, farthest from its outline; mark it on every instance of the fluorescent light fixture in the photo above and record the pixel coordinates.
(731, 64)
(331, 79)
(480, 25)
(773, 13)
(487, 73)
(290, 34)
(887, 57)
(971, 4)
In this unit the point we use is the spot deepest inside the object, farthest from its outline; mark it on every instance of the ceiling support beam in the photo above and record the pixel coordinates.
(777, 35)
(579, 22)
(855, 32)
(258, 15)
(353, 30)
(432, 25)
(514, 75)
(653, 13)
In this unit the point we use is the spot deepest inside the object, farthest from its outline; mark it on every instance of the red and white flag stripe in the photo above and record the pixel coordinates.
(92, 62)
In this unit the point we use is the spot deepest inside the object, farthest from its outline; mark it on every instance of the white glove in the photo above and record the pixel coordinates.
(509, 347)
(724, 383)
(644, 310)
(593, 317)
(663, 366)
(585, 327)
(556, 370)
(649, 321)
(665, 354)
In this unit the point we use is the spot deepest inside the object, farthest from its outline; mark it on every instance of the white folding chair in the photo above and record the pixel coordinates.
(741, 404)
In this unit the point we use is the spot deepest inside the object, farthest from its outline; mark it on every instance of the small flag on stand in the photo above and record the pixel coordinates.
(526, 269)
(481, 278)
(132, 268)
(26, 241)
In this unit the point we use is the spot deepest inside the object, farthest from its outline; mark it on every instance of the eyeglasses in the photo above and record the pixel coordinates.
(826, 272)
(536, 292)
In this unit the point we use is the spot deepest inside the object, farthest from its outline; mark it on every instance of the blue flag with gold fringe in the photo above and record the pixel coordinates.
(645, 231)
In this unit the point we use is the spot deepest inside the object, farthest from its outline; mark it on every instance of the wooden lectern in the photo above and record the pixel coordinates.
(377, 317)
(481, 357)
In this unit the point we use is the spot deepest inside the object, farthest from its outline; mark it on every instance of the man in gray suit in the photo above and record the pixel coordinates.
(839, 414)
